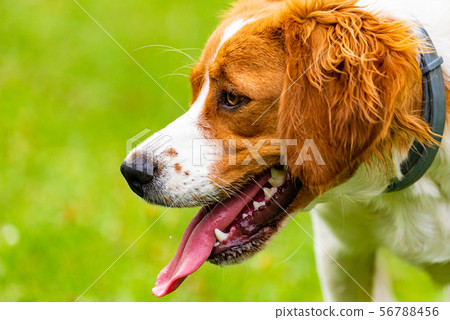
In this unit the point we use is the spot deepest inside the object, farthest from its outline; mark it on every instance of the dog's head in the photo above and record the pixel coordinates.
(290, 98)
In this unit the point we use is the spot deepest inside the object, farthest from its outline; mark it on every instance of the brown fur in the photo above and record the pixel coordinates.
(349, 80)
(353, 85)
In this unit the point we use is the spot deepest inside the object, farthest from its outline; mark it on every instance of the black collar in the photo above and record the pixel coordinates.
(421, 157)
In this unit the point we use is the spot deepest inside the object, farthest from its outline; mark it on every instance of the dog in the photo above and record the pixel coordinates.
(311, 105)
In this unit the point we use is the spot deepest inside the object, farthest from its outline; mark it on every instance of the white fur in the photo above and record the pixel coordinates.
(231, 30)
(433, 14)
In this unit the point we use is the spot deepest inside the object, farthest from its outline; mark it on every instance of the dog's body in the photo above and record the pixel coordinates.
(413, 223)
(256, 56)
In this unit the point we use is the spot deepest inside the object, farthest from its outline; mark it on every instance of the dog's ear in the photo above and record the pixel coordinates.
(348, 83)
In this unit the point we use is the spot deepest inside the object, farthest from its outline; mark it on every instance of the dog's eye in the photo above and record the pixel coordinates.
(233, 100)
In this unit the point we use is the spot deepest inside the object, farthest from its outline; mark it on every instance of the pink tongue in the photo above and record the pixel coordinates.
(199, 239)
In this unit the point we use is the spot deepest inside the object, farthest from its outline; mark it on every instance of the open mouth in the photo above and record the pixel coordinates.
(232, 230)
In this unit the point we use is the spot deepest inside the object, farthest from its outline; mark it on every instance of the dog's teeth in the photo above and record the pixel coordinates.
(221, 236)
(216, 244)
(258, 205)
(244, 216)
(269, 192)
(277, 177)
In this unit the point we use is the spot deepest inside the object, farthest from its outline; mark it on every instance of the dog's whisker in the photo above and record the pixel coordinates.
(231, 195)
(175, 74)
(168, 49)
(235, 191)
(187, 66)
(343, 210)
(221, 188)
(292, 254)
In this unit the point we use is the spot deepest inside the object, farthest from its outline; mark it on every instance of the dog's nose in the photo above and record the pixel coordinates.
(136, 178)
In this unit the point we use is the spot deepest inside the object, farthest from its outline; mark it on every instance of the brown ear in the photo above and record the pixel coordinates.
(349, 82)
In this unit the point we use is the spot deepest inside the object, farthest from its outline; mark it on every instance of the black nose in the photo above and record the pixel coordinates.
(136, 178)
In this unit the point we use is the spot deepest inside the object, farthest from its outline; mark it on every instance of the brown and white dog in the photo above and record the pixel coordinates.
(340, 77)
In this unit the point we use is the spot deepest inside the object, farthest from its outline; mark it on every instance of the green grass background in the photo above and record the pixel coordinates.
(69, 100)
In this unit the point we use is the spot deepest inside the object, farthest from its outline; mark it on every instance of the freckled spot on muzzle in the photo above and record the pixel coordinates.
(170, 152)
(178, 167)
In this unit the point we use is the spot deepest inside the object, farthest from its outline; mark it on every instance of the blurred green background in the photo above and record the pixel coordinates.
(69, 100)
